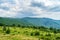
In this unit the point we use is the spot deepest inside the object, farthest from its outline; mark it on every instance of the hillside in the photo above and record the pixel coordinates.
(43, 22)
(36, 32)
(16, 21)
(31, 21)
(19, 33)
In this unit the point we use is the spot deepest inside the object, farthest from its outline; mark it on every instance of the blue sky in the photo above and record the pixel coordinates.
(30, 8)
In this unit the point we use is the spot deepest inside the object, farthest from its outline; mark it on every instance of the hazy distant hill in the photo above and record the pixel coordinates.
(32, 21)
(11, 21)
(44, 22)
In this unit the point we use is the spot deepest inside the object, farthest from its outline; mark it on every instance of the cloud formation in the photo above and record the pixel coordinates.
(30, 8)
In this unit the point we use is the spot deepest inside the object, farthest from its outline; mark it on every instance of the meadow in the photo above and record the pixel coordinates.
(29, 33)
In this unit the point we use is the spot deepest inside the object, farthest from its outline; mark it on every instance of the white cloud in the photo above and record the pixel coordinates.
(4, 13)
(19, 5)
(49, 2)
(12, 12)
(25, 6)
(52, 15)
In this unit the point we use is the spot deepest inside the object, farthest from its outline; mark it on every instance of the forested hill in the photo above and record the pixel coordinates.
(31, 21)
(16, 21)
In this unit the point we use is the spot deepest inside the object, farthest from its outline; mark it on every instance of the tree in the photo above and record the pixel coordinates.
(51, 28)
(32, 33)
(13, 25)
(1, 24)
(8, 31)
(18, 25)
(55, 30)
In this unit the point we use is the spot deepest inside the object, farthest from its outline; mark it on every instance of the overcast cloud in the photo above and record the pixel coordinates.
(30, 8)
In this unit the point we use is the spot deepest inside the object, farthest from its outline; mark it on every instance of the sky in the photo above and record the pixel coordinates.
(30, 8)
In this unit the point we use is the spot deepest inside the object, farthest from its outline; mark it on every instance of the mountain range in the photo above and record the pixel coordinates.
(47, 22)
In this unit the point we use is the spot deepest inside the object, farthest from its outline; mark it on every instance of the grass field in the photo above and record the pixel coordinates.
(18, 33)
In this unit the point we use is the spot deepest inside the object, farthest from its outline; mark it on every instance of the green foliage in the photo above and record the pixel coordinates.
(13, 25)
(19, 25)
(57, 38)
(4, 28)
(48, 34)
(36, 33)
(32, 34)
(47, 38)
(1, 24)
(8, 31)
(50, 28)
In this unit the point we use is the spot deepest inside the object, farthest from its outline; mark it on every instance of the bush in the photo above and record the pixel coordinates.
(55, 31)
(37, 33)
(32, 34)
(48, 34)
(18, 25)
(8, 31)
(58, 38)
(13, 25)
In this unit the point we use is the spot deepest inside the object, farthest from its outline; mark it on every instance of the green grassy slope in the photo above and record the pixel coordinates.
(18, 33)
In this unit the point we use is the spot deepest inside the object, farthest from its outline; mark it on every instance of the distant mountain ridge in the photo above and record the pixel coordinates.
(44, 22)
(15, 21)
(32, 21)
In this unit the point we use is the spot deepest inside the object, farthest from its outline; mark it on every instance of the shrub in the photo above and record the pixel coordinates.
(55, 31)
(37, 33)
(8, 31)
(32, 34)
(51, 28)
(13, 25)
(48, 34)
(57, 38)
(18, 25)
